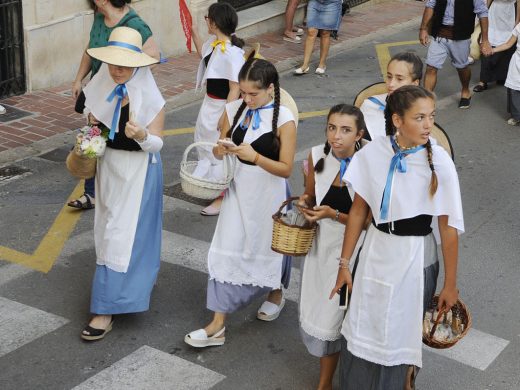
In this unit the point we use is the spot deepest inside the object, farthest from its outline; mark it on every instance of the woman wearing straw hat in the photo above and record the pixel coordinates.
(124, 97)
(108, 15)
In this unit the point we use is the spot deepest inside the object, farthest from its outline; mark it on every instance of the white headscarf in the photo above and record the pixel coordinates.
(145, 98)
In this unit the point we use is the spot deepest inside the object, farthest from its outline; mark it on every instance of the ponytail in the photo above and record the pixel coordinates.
(321, 162)
(433, 181)
(276, 114)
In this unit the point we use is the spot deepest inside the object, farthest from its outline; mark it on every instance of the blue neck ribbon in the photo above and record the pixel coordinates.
(379, 103)
(398, 161)
(253, 116)
(343, 165)
(120, 92)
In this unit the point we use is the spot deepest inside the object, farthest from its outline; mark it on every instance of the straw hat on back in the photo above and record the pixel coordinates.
(124, 48)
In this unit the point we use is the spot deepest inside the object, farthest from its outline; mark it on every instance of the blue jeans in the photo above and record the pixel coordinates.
(90, 187)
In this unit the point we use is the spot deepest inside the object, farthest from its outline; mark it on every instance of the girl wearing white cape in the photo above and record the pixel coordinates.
(320, 318)
(221, 59)
(405, 182)
(404, 68)
(123, 97)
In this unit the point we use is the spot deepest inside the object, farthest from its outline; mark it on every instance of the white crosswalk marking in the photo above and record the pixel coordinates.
(151, 369)
(477, 349)
(20, 324)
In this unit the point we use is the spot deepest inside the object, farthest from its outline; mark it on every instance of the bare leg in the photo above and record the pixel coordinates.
(430, 78)
(327, 368)
(219, 320)
(290, 10)
(100, 321)
(312, 33)
(465, 77)
(217, 202)
(324, 48)
(275, 296)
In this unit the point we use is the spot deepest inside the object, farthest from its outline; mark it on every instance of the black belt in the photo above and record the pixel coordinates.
(416, 226)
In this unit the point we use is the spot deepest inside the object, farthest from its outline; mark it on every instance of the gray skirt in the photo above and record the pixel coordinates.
(360, 374)
(513, 103)
(319, 348)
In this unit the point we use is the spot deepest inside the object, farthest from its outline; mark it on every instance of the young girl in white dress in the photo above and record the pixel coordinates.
(327, 201)
(404, 182)
(221, 59)
(241, 264)
(404, 68)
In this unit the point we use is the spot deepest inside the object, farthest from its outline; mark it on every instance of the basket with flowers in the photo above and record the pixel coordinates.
(91, 142)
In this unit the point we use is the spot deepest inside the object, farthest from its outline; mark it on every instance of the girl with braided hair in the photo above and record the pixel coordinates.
(406, 183)
(320, 319)
(241, 264)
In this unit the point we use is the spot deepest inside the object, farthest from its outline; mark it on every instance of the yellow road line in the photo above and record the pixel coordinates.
(52, 244)
(383, 53)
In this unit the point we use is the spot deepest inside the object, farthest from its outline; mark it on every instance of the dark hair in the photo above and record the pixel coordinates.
(413, 60)
(226, 19)
(115, 3)
(342, 109)
(398, 103)
(263, 73)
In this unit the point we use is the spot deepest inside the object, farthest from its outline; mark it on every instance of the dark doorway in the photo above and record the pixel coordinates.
(239, 5)
(12, 65)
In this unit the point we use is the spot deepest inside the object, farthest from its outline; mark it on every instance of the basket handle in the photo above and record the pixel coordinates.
(227, 165)
(285, 203)
(439, 316)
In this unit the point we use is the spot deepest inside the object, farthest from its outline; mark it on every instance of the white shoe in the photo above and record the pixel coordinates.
(2, 110)
(320, 70)
(200, 339)
(270, 311)
(300, 71)
(513, 122)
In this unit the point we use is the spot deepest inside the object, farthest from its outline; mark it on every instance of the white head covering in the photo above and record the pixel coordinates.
(145, 98)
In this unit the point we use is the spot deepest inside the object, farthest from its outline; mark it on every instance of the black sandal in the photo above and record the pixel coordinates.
(480, 87)
(93, 334)
(78, 204)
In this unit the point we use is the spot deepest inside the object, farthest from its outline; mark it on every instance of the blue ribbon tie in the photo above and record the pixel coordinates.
(120, 92)
(398, 162)
(343, 165)
(253, 116)
(378, 102)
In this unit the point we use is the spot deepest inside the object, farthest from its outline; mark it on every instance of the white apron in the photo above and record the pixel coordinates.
(319, 316)
(384, 321)
(240, 252)
(208, 166)
(118, 172)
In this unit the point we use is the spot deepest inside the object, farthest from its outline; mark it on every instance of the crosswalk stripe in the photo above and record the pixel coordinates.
(477, 349)
(10, 272)
(150, 369)
(20, 324)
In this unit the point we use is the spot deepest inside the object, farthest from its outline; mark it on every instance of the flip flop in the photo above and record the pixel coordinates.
(296, 39)
(200, 339)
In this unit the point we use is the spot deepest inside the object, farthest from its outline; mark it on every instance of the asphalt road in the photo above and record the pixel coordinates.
(42, 314)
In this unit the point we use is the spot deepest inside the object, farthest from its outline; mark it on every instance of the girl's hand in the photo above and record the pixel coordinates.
(244, 152)
(318, 212)
(76, 89)
(305, 200)
(447, 298)
(92, 119)
(134, 131)
(344, 277)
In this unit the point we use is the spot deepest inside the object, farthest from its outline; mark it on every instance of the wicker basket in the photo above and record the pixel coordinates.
(80, 166)
(199, 187)
(288, 239)
(465, 317)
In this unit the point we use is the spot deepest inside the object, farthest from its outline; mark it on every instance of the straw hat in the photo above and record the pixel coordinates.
(124, 48)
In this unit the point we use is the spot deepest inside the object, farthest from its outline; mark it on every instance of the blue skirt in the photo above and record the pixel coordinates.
(117, 292)
(324, 14)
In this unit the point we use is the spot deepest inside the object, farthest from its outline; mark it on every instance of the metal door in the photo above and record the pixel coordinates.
(12, 65)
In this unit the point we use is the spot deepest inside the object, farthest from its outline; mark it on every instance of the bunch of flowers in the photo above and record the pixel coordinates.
(91, 141)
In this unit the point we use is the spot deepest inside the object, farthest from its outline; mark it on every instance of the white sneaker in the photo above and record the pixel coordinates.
(513, 122)
(2, 110)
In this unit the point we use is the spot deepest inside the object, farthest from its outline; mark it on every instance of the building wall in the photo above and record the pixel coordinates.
(56, 34)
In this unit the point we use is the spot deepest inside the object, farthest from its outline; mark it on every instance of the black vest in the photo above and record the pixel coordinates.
(464, 21)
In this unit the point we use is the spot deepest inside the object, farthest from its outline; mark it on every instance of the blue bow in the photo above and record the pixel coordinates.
(343, 164)
(120, 92)
(398, 162)
(253, 116)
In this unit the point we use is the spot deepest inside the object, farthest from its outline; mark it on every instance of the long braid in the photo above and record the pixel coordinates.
(389, 125)
(276, 114)
(433, 181)
(235, 119)
(321, 162)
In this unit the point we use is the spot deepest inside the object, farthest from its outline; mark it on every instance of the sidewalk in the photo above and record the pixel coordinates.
(51, 111)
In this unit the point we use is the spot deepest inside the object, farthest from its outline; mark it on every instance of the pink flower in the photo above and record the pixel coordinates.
(95, 131)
